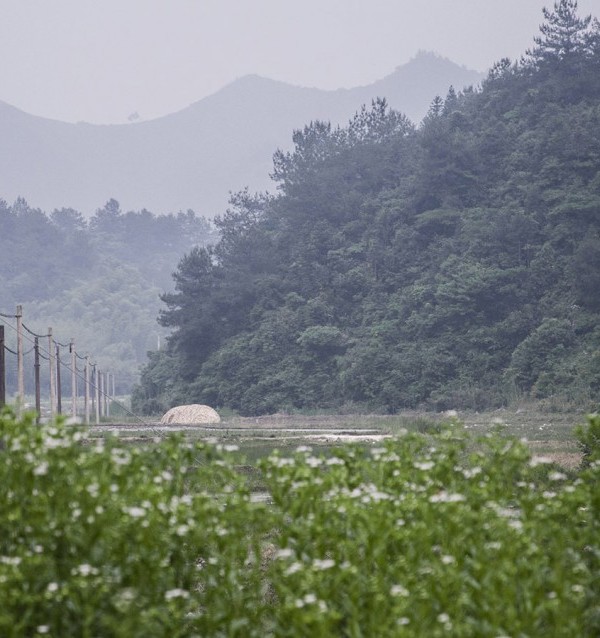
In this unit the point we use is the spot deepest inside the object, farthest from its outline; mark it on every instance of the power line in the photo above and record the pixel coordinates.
(77, 374)
(34, 334)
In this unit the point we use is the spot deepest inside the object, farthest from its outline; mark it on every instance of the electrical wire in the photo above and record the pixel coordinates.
(93, 385)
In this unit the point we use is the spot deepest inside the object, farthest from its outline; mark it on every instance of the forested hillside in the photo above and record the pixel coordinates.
(97, 281)
(454, 265)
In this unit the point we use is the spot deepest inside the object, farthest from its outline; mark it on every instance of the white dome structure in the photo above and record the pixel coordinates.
(190, 414)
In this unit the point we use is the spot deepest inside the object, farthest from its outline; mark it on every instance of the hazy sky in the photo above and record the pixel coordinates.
(101, 60)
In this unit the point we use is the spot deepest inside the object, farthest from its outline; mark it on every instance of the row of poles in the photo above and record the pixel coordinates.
(98, 386)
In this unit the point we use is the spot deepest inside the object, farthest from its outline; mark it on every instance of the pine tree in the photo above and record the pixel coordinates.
(564, 34)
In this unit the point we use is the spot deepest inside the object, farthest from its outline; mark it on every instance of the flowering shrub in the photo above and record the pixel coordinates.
(113, 540)
(423, 536)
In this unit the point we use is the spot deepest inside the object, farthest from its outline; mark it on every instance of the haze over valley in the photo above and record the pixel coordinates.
(192, 159)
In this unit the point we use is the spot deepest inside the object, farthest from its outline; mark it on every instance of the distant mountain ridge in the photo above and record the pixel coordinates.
(193, 158)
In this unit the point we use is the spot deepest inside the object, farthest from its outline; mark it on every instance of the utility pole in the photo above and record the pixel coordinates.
(108, 394)
(20, 374)
(73, 379)
(36, 374)
(58, 383)
(86, 401)
(100, 382)
(2, 370)
(52, 357)
(97, 393)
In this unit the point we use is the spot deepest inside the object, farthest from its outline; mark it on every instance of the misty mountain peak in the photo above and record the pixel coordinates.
(193, 158)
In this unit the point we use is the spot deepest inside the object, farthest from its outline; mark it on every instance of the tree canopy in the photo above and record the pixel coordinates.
(453, 265)
(95, 280)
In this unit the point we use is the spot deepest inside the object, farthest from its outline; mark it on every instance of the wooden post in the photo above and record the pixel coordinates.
(36, 374)
(97, 393)
(86, 400)
(101, 393)
(58, 383)
(73, 379)
(108, 395)
(51, 357)
(2, 370)
(20, 373)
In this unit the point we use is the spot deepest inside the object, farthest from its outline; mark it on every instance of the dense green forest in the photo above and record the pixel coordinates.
(453, 265)
(95, 280)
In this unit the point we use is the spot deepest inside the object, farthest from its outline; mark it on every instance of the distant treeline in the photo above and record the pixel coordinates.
(454, 265)
(96, 280)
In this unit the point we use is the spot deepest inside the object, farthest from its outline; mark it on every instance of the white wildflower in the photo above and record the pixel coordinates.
(56, 442)
(313, 461)
(303, 449)
(446, 497)
(399, 590)
(93, 489)
(120, 457)
(84, 570)
(540, 460)
(41, 469)
(135, 512)
(231, 448)
(284, 553)
(43, 629)
(293, 568)
(10, 560)
(127, 594)
(281, 461)
(471, 472)
(557, 476)
(324, 564)
(425, 465)
(176, 593)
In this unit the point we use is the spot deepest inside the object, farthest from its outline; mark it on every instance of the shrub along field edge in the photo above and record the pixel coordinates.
(444, 533)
